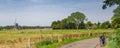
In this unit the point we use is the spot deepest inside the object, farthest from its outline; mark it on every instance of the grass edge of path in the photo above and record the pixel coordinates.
(67, 41)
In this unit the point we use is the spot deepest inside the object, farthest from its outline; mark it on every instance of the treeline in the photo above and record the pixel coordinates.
(78, 20)
(10, 27)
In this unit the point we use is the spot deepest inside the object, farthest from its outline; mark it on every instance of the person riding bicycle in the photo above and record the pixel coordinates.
(102, 40)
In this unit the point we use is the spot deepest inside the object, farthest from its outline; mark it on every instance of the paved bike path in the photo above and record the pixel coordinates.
(88, 43)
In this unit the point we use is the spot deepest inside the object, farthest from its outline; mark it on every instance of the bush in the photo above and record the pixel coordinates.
(42, 43)
(45, 42)
(114, 41)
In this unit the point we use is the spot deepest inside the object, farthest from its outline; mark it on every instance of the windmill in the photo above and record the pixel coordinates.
(16, 25)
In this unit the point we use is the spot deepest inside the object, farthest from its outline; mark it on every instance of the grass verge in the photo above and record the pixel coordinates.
(55, 44)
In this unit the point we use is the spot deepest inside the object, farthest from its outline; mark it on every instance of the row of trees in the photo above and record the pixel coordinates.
(74, 21)
(23, 27)
(77, 21)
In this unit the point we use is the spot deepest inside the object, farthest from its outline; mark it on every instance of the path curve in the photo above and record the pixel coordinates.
(88, 43)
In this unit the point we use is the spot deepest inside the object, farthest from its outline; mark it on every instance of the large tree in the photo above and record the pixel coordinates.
(105, 25)
(116, 16)
(109, 3)
(116, 23)
(56, 24)
(77, 18)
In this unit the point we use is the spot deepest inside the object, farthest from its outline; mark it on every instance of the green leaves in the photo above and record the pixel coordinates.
(117, 10)
(105, 25)
(73, 21)
(116, 17)
(114, 41)
(109, 3)
(77, 18)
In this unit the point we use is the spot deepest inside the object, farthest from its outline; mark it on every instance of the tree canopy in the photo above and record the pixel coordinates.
(109, 3)
(77, 18)
(74, 21)
(116, 17)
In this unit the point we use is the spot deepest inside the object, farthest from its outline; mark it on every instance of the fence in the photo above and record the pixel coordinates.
(30, 42)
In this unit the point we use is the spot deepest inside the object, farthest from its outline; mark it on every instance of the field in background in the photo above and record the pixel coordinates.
(12, 34)
(22, 38)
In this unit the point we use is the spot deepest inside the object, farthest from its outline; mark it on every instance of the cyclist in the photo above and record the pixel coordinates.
(102, 40)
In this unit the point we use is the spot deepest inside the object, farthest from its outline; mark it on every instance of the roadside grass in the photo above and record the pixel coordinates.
(22, 36)
(55, 44)
(114, 40)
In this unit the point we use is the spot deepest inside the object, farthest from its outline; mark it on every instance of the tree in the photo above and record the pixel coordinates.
(64, 24)
(105, 25)
(116, 17)
(94, 26)
(89, 25)
(54, 24)
(76, 18)
(98, 25)
(82, 25)
(116, 23)
(117, 10)
(110, 3)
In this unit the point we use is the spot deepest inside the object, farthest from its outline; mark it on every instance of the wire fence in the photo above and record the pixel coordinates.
(30, 42)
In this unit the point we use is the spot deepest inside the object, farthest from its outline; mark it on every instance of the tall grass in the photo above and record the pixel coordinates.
(55, 44)
(114, 41)
(12, 34)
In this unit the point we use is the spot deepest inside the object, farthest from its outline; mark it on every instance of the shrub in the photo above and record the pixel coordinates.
(114, 41)
(45, 42)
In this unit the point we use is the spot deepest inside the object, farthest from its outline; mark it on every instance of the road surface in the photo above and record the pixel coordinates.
(88, 43)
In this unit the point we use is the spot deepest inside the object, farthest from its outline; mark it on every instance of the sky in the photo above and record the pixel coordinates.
(44, 12)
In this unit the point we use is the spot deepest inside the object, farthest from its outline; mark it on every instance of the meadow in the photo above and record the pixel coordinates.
(12, 34)
(29, 38)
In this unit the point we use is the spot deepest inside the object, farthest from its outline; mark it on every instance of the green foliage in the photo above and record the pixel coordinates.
(94, 26)
(114, 41)
(110, 3)
(74, 21)
(58, 44)
(116, 23)
(76, 18)
(82, 25)
(115, 16)
(89, 25)
(6, 27)
(117, 10)
(98, 25)
(45, 42)
(55, 25)
(106, 25)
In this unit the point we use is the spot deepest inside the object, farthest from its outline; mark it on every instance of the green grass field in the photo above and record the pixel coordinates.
(19, 38)
(11, 34)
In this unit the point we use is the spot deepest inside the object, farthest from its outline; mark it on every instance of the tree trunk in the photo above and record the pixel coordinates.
(77, 26)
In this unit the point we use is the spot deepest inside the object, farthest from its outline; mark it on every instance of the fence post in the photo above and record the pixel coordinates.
(29, 43)
(52, 38)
